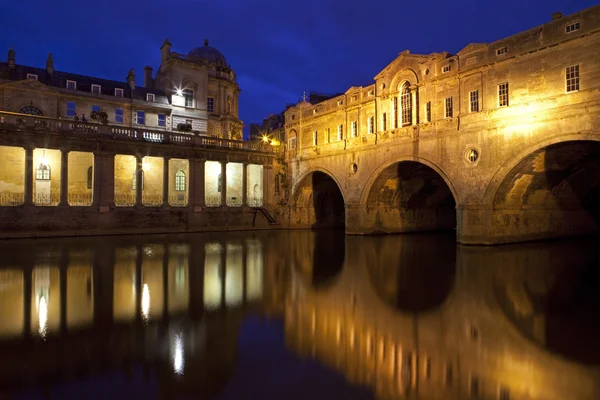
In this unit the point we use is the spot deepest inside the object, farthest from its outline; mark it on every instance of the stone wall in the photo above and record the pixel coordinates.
(13, 171)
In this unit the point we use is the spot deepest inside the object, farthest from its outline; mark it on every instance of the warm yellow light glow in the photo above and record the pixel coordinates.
(178, 359)
(179, 92)
(43, 316)
(145, 166)
(265, 139)
(146, 302)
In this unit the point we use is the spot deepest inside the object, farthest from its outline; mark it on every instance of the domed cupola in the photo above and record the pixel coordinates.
(208, 53)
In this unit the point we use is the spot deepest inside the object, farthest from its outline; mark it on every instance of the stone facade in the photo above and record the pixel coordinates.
(500, 132)
(199, 89)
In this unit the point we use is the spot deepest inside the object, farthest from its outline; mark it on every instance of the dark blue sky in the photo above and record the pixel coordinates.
(277, 48)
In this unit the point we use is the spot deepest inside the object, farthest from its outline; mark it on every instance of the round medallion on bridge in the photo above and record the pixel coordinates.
(353, 168)
(472, 155)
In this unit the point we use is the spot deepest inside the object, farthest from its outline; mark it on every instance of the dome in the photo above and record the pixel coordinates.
(208, 53)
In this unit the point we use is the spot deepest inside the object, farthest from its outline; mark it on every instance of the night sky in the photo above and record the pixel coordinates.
(278, 49)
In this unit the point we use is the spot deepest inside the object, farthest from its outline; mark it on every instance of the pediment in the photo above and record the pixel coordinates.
(29, 84)
(404, 60)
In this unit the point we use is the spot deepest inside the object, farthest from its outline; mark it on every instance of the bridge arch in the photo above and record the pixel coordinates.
(409, 194)
(318, 201)
(549, 189)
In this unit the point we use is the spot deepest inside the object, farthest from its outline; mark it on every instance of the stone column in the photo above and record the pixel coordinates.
(224, 184)
(28, 200)
(196, 184)
(139, 176)
(64, 177)
(166, 181)
(415, 105)
(104, 179)
(244, 184)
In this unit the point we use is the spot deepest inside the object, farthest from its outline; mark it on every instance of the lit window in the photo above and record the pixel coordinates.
(328, 135)
(474, 100)
(150, 97)
(315, 111)
(503, 94)
(96, 108)
(354, 98)
(71, 109)
(180, 181)
(371, 122)
(428, 111)
(395, 111)
(32, 77)
(210, 104)
(406, 103)
(90, 177)
(384, 122)
(354, 129)
(134, 183)
(119, 115)
(96, 89)
(42, 173)
(118, 92)
(141, 118)
(315, 138)
(340, 102)
(162, 121)
(572, 76)
(293, 143)
(340, 132)
(445, 69)
(188, 96)
(572, 27)
(448, 107)
(71, 85)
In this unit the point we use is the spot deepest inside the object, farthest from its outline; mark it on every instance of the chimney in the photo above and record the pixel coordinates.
(11, 58)
(165, 49)
(50, 64)
(148, 77)
(131, 79)
(557, 15)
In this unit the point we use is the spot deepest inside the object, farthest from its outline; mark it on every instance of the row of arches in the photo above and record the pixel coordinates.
(554, 187)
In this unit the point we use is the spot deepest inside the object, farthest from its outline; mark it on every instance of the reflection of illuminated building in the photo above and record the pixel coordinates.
(130, 303)
(463, 346)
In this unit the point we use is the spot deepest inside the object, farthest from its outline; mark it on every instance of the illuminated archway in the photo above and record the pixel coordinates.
(318, 201)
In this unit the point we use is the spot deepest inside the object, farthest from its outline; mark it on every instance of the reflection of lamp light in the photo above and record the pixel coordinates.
(145, 302)
(178, 359)
(43, 317)
(145, 166)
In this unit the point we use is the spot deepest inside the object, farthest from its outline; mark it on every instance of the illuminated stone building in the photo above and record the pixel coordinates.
(491, 141)
(171, 149)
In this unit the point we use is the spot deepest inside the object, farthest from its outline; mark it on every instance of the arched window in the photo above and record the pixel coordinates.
(180, 181)
(90, 177)
(406, 105)
(134, 184)
(42, 173)
(219, 183)
(31, 110)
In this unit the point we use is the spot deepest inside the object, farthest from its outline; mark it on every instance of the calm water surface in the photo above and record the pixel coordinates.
(298, 315)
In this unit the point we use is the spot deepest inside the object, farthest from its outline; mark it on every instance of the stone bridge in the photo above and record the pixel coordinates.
(502, 149)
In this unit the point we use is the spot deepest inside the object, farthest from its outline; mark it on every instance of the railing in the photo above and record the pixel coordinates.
(80, 199)
(152, 200)
(11, 199)
(255, 201)
(43, 199)
(234, 201)
(16, 121)
(213, 201)
(178, 200)
(125, 200)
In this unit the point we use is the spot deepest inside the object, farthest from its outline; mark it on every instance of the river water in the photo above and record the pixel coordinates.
(298, 315)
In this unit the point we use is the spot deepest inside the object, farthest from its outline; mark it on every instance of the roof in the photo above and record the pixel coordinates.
(84, 83)
(207, 53)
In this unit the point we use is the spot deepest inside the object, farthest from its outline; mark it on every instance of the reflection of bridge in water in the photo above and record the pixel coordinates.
(174, 307)
(481, 333)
